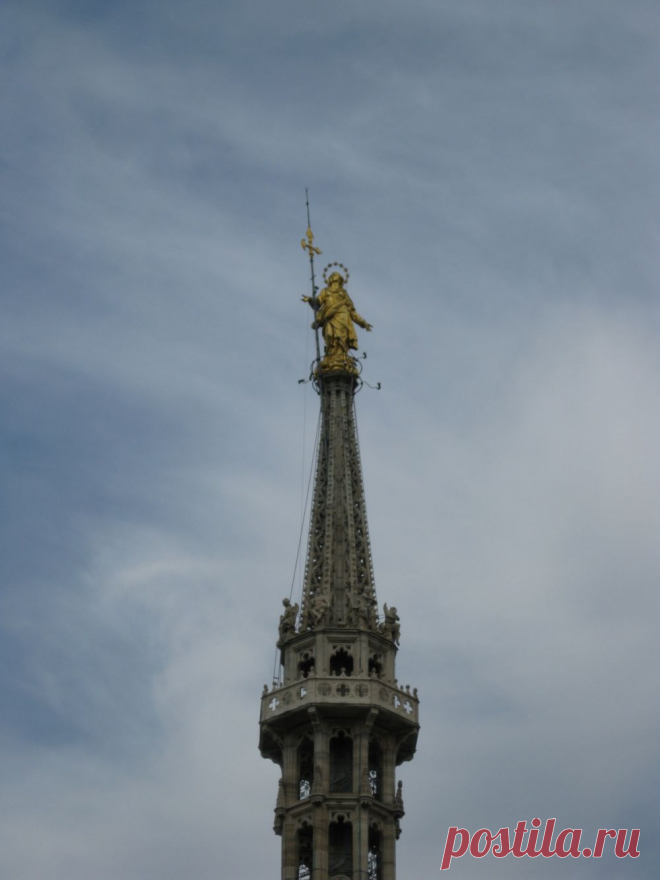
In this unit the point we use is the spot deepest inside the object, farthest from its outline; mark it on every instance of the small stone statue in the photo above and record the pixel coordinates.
(367, 611)
(319, 607)
(362, 609)
(287, 627)
(398, 799)
(390, 626)
(364, 614)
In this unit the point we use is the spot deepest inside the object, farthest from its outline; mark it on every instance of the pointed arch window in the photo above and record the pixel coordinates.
(341, 762)
(376, 769)
(341, 662)
(340, 848)
(305, 664)
(376, 665)
(375, 856)
(305, 849)
(305, 768)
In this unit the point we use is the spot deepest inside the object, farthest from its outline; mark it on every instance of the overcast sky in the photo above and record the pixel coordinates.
(489, 171)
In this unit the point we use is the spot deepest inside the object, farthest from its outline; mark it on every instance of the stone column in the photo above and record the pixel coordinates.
(290, 769)
(321, 753)
(388, 843)
(361, 843)
(320, 788)
(289, 850)
(320, 869)
(389, 758)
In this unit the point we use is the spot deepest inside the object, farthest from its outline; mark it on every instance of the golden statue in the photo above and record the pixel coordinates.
(336, 317)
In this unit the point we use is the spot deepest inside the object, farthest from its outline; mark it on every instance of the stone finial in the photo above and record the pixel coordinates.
(281, 801)
(280, 809)
(398, 801)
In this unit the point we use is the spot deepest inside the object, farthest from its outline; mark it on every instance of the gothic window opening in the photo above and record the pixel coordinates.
(305, 849)
(341, 763)
(305, 664)
(374, 856)
(375, 665)
(306, 768)
(376, 769)
(341, 661)
(340, 848)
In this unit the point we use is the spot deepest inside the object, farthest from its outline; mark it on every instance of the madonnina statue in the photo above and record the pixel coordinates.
(336, 317)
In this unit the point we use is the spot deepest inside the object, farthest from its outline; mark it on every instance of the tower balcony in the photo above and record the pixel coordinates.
(340, 696)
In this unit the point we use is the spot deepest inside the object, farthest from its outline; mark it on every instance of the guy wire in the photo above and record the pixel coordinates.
(302, 527)
(302, 464)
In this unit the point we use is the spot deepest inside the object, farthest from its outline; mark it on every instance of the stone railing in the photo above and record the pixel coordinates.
(339, 690)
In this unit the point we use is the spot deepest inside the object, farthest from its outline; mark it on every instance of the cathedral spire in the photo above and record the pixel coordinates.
(339, 587)
(337, 722)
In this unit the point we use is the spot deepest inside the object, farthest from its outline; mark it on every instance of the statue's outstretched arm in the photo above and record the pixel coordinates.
(359, 320)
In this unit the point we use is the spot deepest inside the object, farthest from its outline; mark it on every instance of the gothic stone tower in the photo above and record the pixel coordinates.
(338, 723)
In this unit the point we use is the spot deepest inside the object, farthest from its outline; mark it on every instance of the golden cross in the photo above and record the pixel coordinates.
(309, 244)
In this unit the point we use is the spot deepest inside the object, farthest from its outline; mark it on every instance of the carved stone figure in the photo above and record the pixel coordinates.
(287, 627)
(336, 317)
(319, 607)
(366, 612)
(390, 627)
(362, 610)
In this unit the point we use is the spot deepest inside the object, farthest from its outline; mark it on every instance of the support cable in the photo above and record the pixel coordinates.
(302, 527)
(311, 250)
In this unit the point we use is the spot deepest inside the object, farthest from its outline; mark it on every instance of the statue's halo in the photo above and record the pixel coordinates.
(341, 266)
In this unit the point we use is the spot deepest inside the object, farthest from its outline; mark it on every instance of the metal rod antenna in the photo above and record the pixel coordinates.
(309, 247)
